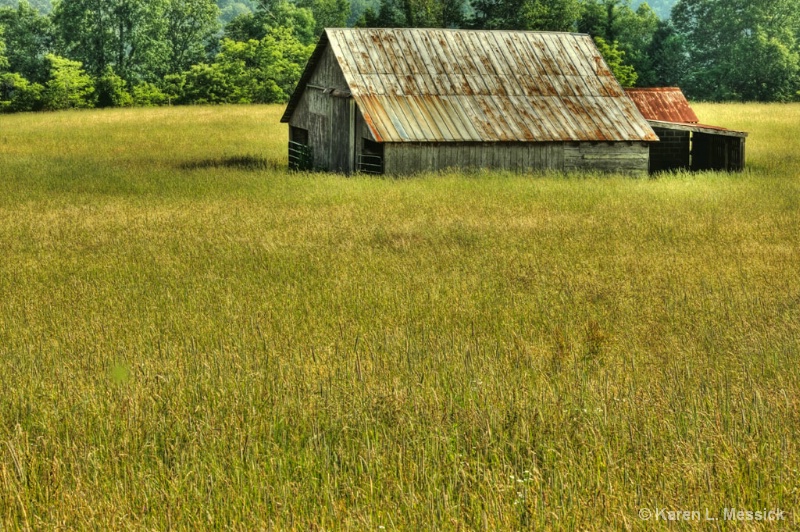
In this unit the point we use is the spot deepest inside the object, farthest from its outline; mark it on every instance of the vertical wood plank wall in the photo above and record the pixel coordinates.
(326, 118)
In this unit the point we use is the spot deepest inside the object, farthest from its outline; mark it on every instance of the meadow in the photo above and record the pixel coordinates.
(192, 337)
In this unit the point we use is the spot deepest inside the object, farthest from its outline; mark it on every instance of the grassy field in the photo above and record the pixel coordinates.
(192, 338)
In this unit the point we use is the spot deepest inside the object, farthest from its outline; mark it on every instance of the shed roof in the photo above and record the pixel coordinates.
(698, 128)
(668, 108)
(440, 85)
(666, 104)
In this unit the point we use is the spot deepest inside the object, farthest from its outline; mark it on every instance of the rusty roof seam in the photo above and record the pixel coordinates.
(437, 125)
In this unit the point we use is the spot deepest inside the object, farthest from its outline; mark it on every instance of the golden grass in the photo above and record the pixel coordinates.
(194, 338)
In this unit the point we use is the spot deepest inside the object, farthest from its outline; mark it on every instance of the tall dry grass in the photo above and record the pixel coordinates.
(191, 337)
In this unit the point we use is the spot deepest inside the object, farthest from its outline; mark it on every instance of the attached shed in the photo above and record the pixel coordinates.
(400, 101)
(685, 143)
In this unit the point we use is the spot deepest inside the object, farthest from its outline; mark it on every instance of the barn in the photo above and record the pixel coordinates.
(401, 101)
(685, 143)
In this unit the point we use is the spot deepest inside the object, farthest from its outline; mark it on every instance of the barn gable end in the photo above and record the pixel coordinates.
(318, 117)
(409, 100)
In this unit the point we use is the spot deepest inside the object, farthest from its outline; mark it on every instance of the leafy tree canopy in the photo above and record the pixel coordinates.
(43, 6)
(29, 37)
(668, 61)
(123, 34)
(17, 94)
(550, 15)
(615, 58)
(69, 87)
(252, 71)
(663, 8)
(3, 59)
(272, 15)
(191, 27)
(327, 13)
(740, 50)
(415, 13)
(620, 26)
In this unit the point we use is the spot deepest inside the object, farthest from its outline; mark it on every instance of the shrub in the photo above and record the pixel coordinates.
(173, 88)
(148, 95)
(111, 91)
(207, 84)
(69, 87)
(17, 94)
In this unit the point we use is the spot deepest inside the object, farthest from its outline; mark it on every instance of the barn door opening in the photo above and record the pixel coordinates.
(371, 159)
(301, 156)
(715, 151)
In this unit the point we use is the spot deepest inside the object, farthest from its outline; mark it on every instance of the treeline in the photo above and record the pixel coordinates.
(116, 53)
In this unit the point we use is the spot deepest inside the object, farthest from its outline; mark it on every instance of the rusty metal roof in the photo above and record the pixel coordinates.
(666, 104)
(442, 85)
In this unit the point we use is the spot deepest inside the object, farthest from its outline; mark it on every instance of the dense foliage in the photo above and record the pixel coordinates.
(156, 52)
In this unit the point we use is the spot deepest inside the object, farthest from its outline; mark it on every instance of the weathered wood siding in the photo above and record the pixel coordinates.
(622, 157)
(326, 118)
(408, 158)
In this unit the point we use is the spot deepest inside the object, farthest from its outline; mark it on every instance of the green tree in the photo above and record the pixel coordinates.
(206, 83)
(173, 87)
(244, 27)
(252, 71)
(358, 9)
(416, 14)
(29, 37)
(388, 14)
(42, 6)
(69, 85)
(111, 90)
(264, 71)
(740, 50)
(668, 58)
(549, 15)
(271, 15)
(17, 94)
(768, 69)
(127, 35)
(3, 59)
(327, 13)
(191, 25)
(661, 7)
(615, 58)
(231, 10)
(616, 22)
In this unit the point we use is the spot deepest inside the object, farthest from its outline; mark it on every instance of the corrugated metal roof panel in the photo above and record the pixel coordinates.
(667, 104)
(482, 86)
